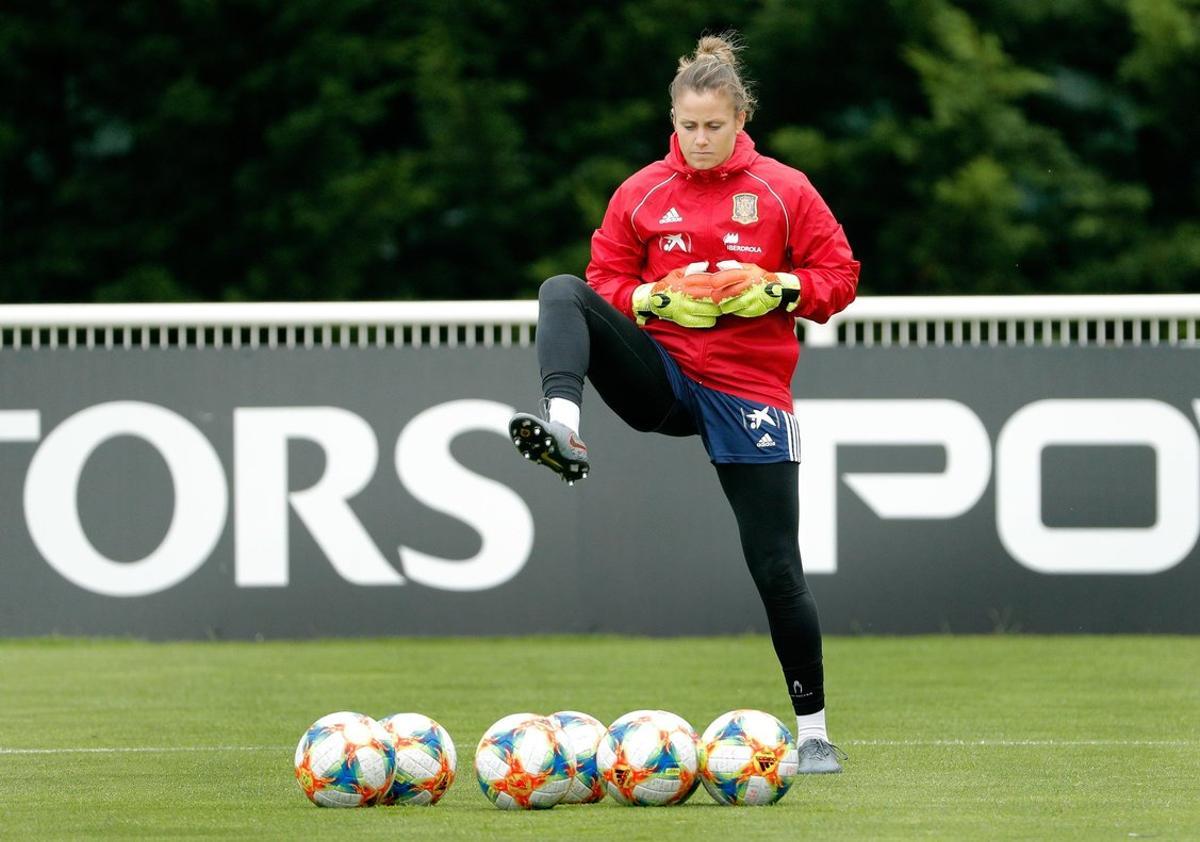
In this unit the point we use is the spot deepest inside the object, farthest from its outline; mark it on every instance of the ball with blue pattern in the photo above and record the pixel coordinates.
(749, 759)
(345, 759)
(425, 760)
(523, 762)
(583, 732)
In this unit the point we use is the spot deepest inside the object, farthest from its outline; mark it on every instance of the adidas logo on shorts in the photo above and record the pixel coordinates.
(766, 441)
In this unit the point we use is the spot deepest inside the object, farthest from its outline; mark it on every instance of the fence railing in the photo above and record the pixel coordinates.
(870, 321)
(1014, 320)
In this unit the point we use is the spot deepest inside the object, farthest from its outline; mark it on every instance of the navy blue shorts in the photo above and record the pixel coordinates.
(733, 429)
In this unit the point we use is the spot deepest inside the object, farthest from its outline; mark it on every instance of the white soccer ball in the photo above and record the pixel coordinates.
(649, 758)
(749, 758)
(584, 733)
(425, 759)
(523, 762)
(345, 759)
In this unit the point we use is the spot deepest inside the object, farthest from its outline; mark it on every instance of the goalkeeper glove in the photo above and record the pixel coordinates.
(682, 296)
(764, 291)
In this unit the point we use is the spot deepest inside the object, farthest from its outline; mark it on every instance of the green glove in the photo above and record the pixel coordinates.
(679, 297)
(766, 291)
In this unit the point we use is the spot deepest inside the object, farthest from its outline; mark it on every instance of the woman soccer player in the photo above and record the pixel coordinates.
(685, 326)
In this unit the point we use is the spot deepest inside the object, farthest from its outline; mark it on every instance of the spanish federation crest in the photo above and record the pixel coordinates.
(745, 208)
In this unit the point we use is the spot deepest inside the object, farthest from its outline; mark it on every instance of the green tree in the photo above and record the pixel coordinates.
(243, 149)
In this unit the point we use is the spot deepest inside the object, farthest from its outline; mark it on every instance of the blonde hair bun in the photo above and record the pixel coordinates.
(715, 66)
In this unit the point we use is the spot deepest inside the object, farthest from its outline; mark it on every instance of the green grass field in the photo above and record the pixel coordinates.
(1004, 737)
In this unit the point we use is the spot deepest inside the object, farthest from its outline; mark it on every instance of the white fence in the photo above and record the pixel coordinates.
(870, 321)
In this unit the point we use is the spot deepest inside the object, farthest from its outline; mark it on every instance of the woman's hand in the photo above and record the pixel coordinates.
(683, 296)
(761, 291)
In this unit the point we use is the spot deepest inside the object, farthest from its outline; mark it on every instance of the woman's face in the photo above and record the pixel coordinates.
(707, 127)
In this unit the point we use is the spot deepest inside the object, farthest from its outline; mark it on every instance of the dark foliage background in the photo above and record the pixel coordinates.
(357, 149)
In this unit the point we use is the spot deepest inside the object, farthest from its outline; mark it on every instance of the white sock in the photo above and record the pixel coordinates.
(564, 412)
(810, 726)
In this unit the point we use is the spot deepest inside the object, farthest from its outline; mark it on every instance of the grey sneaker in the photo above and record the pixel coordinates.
(818, 757)
(553, 444)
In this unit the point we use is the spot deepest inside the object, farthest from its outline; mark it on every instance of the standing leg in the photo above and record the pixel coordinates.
(768, 532)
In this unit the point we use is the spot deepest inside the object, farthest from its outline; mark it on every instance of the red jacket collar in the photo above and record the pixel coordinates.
(743, 156)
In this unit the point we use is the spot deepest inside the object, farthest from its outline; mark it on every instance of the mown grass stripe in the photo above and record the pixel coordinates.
(982, 743)
(133, 749)
(1016, 743)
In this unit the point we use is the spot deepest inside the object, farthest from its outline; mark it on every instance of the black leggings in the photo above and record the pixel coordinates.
(580, 334)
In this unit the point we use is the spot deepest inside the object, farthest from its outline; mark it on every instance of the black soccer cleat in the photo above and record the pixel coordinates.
(553, 444)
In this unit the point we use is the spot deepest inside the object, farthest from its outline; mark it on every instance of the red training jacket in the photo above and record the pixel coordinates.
(751, 208)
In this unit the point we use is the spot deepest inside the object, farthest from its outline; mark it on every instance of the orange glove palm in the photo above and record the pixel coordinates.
(716, 287)
(760, 291)
(683, 296)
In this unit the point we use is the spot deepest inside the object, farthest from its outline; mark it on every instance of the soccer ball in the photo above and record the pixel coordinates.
(524, 762)
(345, 759)
(425, 759)
(749, 758)
(649, 758)
(583, 736)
